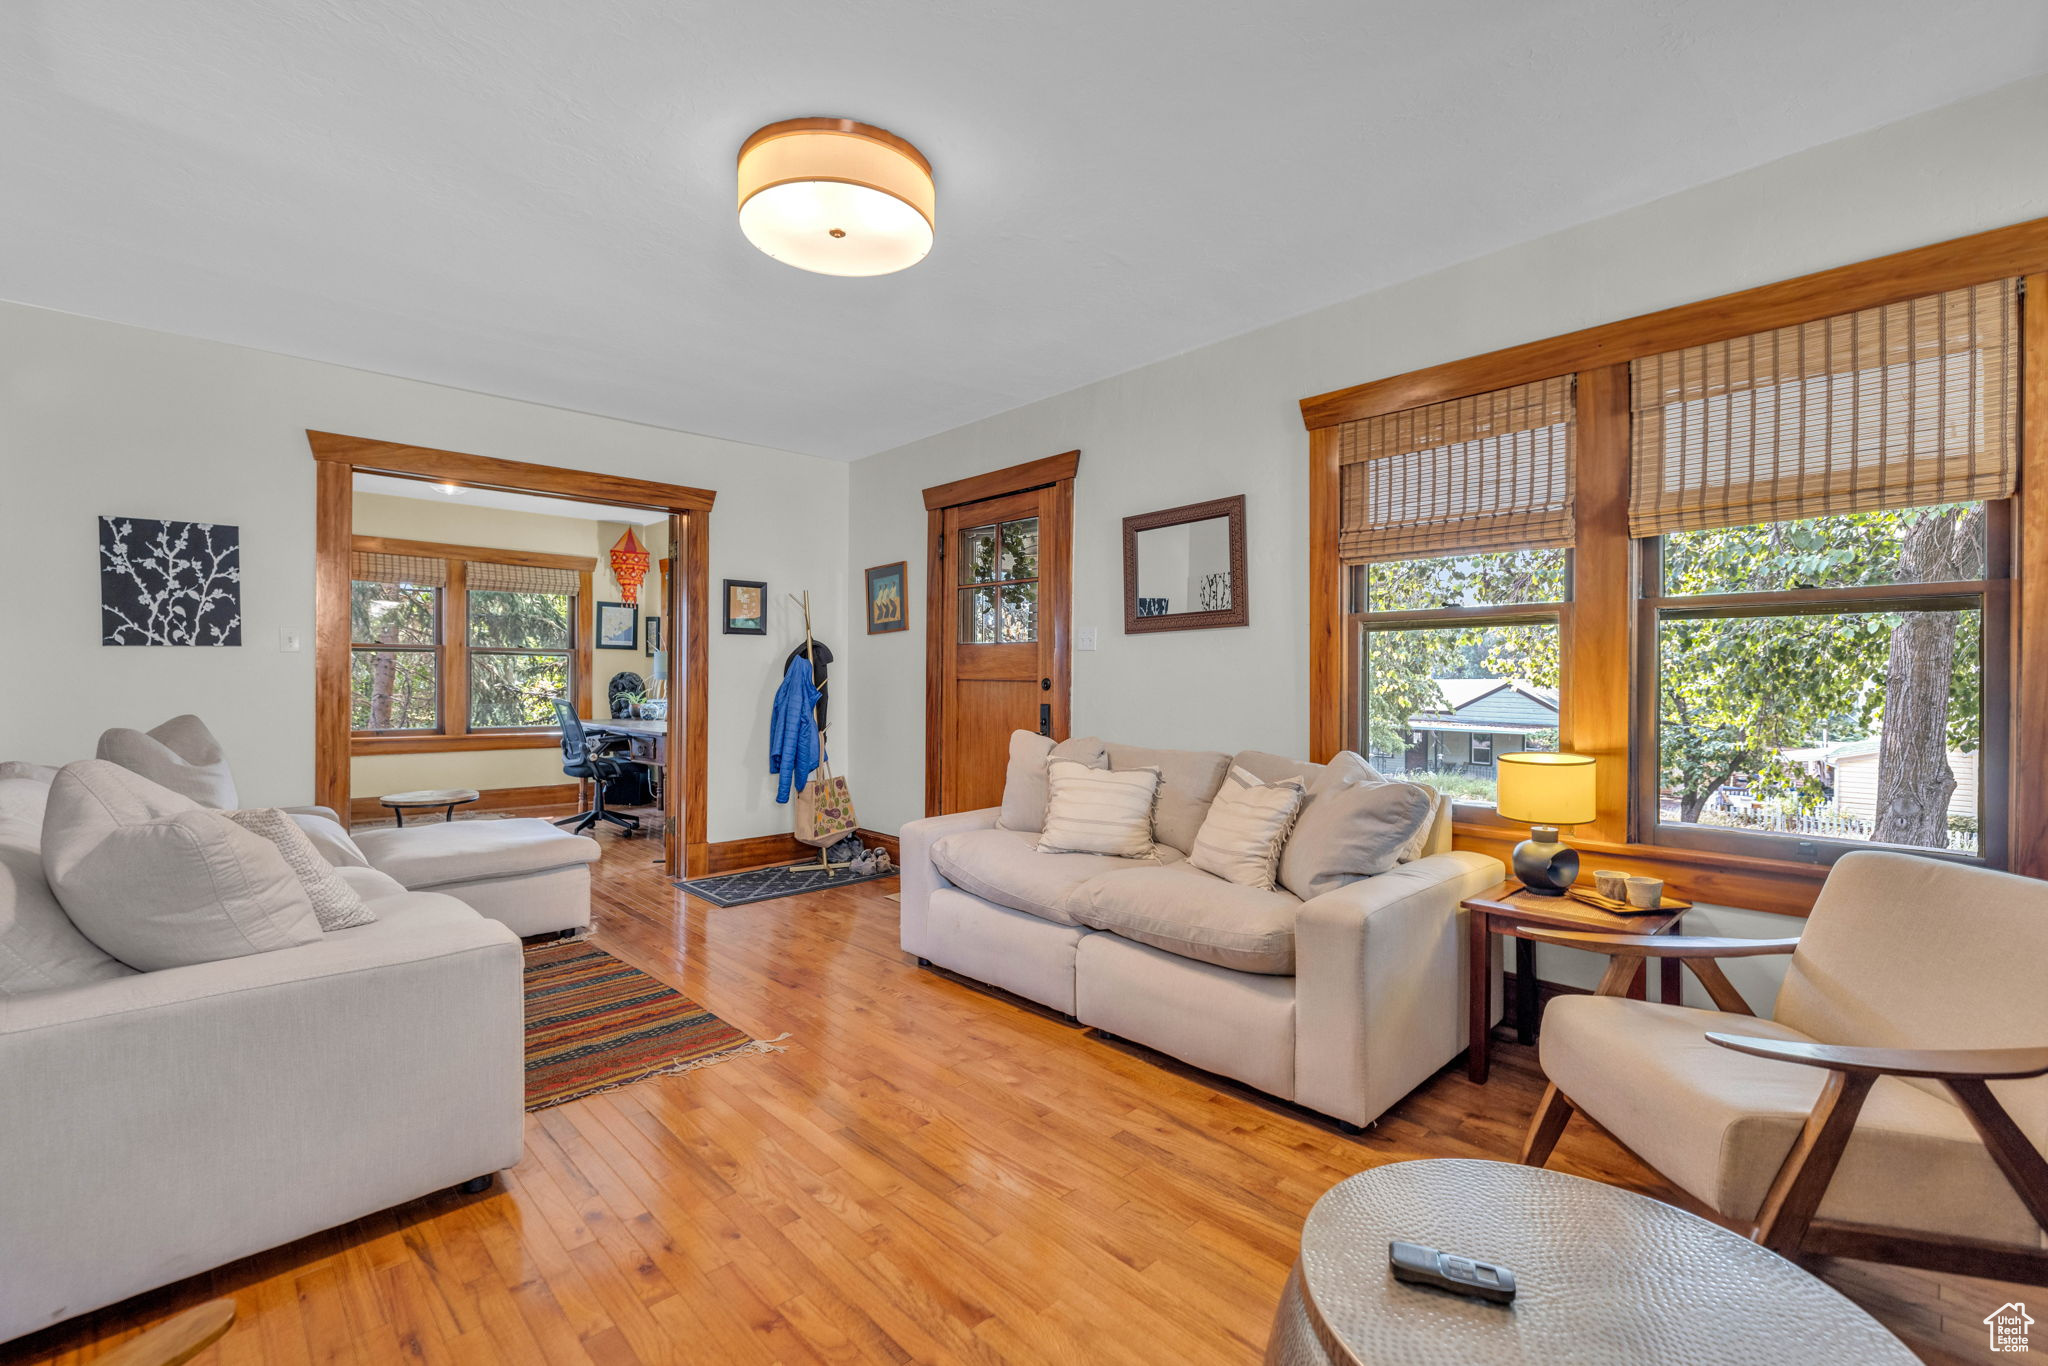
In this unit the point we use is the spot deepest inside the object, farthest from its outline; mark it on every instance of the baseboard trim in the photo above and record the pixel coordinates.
(876, 839)
(489, 799)
(765, 851)
(1545, 992)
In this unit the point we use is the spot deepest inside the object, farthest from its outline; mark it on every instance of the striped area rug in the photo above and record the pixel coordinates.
(594, 1023)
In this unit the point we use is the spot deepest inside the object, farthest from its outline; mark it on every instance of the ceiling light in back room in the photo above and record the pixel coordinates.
(836, 197)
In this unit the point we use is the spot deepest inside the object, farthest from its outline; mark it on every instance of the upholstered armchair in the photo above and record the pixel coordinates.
(1893, 1108)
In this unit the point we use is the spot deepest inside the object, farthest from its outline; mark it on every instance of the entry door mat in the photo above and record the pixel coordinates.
(595, 1024)
(766, 884)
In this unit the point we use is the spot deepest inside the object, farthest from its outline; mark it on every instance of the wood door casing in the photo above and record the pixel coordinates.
(980, 691)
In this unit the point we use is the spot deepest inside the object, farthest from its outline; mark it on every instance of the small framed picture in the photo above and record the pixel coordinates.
(887, 594)
(746, 608)
(618, 626)
(653, 641)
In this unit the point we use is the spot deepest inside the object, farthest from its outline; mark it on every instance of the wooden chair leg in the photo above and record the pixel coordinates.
(1620, 975)
(1797, 1189)
(2012, 1150)
(1553, 1112)
(1719, 988)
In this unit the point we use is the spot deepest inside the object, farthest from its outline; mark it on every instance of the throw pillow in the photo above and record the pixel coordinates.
(1240, 838)
(336, 905)
(158, 881)
(1024, 787)
(181, 754)
(1097, 811)
(1352, 826)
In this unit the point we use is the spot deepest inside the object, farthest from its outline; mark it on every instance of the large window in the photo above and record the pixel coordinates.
(1457, 657)
(1822, 682)
(458, 645)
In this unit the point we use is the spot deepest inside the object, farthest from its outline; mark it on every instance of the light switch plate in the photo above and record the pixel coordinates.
(1084, 637)
(287, 640)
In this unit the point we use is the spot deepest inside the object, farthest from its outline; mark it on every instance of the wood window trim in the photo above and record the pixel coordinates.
(1055, 608)
(687, 601)
(453, 650)
(1598, 714)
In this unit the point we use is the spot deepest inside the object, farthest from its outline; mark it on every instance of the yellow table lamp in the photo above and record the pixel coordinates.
(1546, 790)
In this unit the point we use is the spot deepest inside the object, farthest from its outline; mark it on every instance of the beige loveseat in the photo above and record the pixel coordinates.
(157, 1124)
(1342, 1003)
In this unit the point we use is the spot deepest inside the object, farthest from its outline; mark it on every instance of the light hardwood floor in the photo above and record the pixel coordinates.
(929, 1173)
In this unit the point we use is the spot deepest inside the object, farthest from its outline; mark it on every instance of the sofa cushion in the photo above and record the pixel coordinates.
(40, 949)
(21, 769)
(24, 799)
(333, 842)
(1188, 779)
(336, 903)
(1197, 916)
(422, 856)
(1353, 824)
(370, 884)
(1247, 823)
(181, 754)
(1024, 785)
(1094, 811)
(1719, 1123)
(160, 882)
(1005, 866)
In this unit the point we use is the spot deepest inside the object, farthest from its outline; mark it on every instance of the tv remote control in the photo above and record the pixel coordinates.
(1419, 1265)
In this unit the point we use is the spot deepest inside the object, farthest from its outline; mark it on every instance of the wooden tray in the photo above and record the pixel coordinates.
(1608, 903)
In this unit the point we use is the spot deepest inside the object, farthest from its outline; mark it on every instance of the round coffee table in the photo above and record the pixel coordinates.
(1602, 1275)
(447, 797)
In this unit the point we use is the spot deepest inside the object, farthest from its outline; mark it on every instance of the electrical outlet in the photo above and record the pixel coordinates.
(1084, 637)
(287, 641)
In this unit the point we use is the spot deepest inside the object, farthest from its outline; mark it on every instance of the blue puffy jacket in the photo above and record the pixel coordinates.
(794, 749)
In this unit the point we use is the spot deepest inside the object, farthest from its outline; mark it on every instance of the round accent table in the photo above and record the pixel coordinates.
(1602, 1275)
(446, 797)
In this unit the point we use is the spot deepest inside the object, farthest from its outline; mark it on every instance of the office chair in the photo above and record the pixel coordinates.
(581, 759)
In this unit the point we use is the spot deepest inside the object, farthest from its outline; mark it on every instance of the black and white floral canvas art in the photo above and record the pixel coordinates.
(169, 583)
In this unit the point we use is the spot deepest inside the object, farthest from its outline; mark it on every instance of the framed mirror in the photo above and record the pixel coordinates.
(1184, 568)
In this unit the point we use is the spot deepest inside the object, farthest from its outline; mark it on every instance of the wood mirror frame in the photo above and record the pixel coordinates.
(1239, 611)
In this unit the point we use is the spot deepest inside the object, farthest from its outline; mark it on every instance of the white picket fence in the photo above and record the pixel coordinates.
(1825, 824)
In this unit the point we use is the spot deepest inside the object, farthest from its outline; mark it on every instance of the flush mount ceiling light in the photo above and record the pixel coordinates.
(836, 197)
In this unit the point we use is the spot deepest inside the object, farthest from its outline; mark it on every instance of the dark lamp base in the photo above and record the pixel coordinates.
(1543, 866)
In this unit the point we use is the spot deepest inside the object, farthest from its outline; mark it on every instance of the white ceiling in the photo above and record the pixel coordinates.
(503, 499)
(536, 199)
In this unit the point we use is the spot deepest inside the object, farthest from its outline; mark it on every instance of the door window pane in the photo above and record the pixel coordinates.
(1018, 623)
(394, 690)
(1019, 550)
(1832, 726)
(516, 689)
(978, 555)
(978, 620)
(515, 621)
(1440, 703)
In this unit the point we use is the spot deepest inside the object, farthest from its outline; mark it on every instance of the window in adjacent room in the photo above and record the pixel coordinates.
(1457, 523)
(396, 643)
(521, 638)
(1823, 510)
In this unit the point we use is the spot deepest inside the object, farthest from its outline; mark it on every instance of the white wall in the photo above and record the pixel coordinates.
(97, 418)
(1224, 419)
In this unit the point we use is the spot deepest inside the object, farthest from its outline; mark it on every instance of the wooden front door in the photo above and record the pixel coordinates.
(1000, 589)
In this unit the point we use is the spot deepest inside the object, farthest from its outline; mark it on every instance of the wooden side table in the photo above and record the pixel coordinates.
(1504, 911)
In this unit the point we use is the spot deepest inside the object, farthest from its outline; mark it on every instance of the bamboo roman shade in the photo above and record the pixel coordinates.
(522, 578)
(421, 571)
(1490, 472)
(1901, 406)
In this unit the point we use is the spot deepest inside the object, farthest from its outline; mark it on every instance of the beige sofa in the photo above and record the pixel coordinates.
(156, 1124)
(1343, 1003)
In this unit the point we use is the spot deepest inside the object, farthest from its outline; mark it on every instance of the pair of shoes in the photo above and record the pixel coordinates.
(871, 862)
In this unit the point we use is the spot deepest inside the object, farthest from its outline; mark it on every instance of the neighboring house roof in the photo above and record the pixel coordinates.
(1482, 705)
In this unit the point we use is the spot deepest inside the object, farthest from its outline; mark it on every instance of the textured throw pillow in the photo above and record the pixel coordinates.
(333, 842)
(1024, 788)
(181, 755)
(336, 905)
(1240, 838)
(158, 881)
(1096, 811)
(1353, 825)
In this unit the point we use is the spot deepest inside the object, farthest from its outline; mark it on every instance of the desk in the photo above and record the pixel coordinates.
(646, 744)
(1505, 911)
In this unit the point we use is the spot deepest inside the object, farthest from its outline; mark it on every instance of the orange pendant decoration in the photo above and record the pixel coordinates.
(629, 565)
